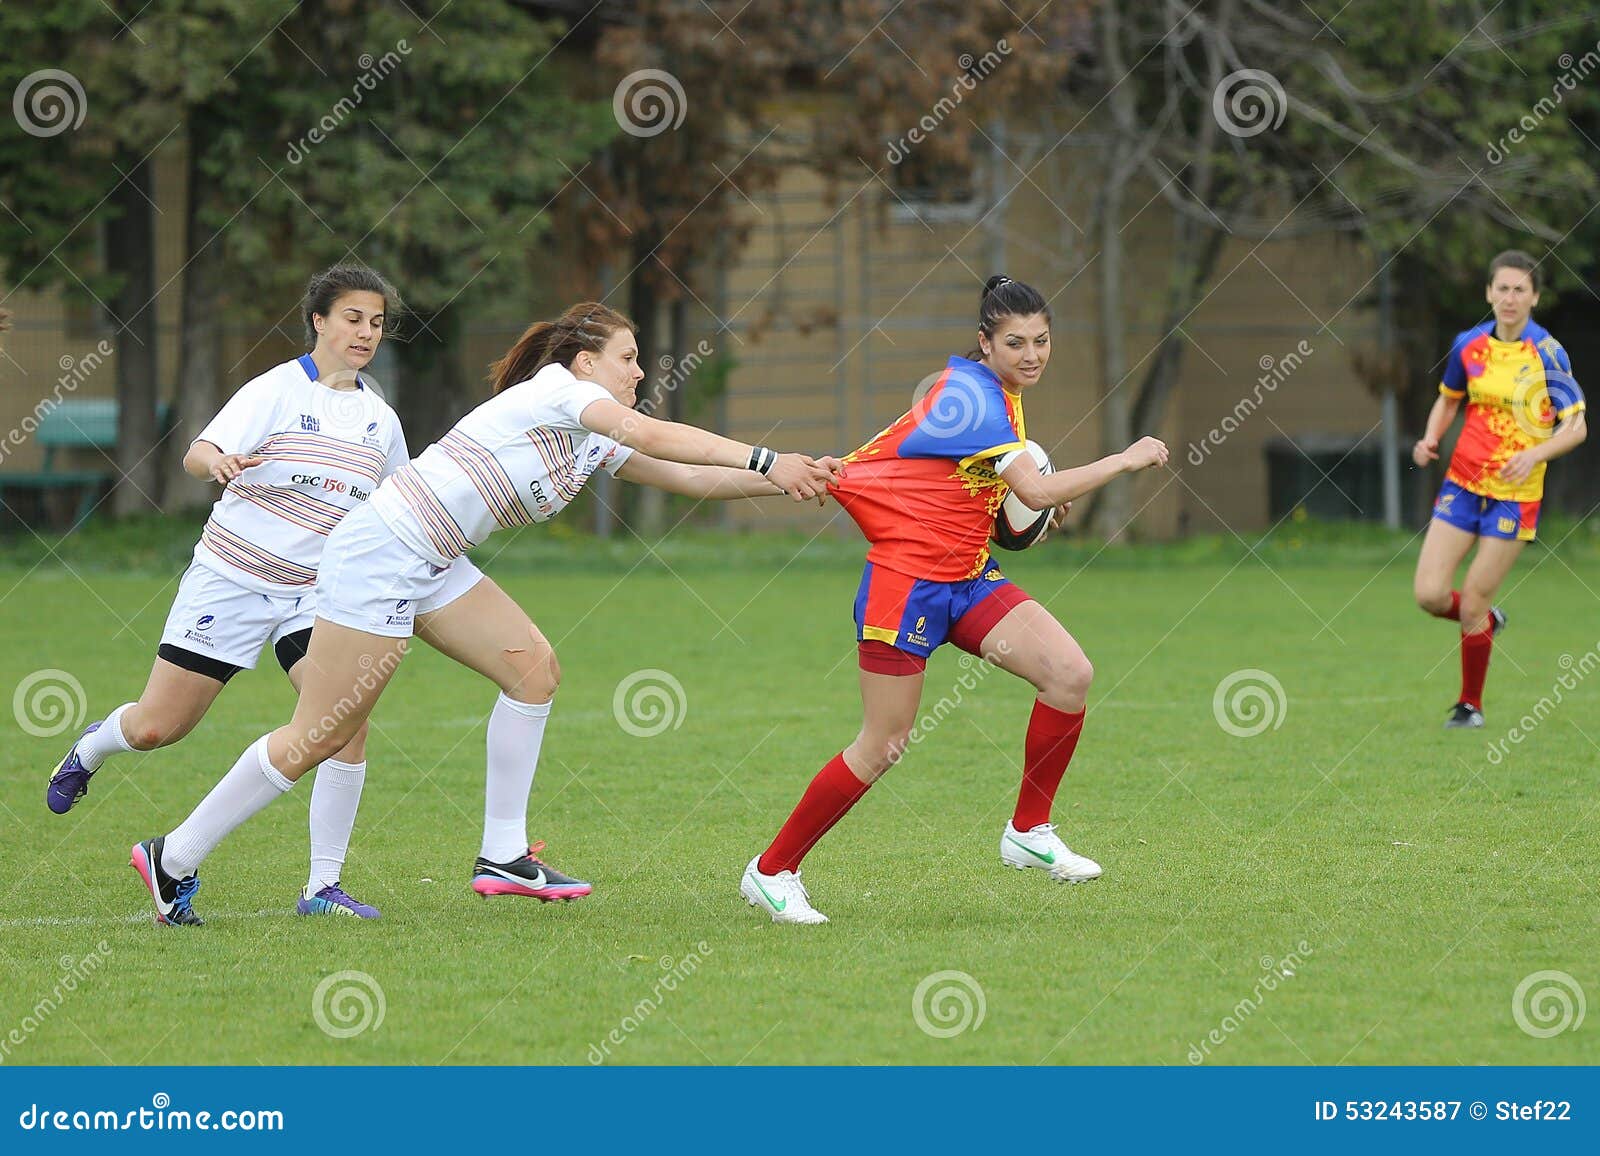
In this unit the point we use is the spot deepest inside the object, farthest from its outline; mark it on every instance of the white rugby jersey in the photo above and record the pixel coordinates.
(326, 451)
(519, 458)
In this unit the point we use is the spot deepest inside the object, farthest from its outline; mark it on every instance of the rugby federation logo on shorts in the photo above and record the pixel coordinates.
(198, 632)
(400, 617)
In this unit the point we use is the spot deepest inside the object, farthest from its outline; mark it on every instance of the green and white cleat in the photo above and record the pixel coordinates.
(1043, 848)
(781, 896)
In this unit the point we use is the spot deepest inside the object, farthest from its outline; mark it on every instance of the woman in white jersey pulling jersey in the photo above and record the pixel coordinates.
(295, 449)
(562, 409)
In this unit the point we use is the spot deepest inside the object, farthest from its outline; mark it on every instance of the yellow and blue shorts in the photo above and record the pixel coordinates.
(1484, 516)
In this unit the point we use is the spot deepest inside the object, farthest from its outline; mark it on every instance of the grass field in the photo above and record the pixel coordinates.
(1415, 879)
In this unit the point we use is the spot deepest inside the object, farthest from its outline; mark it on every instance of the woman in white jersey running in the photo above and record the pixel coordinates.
(562, 409)
(295, 449)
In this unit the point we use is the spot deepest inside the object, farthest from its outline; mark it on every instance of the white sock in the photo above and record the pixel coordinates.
(109, 740)
(516, 730)
(249, 787)
(334, 798)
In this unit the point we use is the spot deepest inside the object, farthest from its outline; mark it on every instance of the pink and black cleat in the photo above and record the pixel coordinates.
(526, 876)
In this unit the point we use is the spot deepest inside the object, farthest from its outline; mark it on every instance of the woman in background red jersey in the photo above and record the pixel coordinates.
(925, 492)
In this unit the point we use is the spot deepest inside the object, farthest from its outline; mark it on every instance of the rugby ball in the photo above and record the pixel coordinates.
(1015, 526)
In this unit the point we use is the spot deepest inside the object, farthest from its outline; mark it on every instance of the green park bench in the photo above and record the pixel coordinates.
(74, 424)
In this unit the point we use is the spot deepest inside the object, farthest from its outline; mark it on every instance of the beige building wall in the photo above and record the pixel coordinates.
(843, 301)
(904, 295)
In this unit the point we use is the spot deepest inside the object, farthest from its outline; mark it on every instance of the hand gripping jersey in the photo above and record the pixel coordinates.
(924, 491)
(519, 458)
(1516, 392)
(326, 452)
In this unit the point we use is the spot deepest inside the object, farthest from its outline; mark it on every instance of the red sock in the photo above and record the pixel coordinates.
(1052, 737)
(1454, 613)
(1475, 665)
(833, 792)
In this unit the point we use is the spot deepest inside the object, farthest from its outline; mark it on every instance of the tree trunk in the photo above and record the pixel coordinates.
(199, 336)
(650, 519)
(433, 389)
(1113, 504)
(130, 254)
(1193, 264)
(647, 513)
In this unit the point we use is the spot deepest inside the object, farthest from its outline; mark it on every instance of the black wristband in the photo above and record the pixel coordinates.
(762, 460)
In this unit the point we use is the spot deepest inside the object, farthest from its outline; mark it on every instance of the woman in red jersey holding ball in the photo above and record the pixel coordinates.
(925, 492)
(1523, 410)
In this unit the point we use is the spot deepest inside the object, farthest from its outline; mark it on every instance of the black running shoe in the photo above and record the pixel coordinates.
(172, 897)
(1463, 714)
(525, 876)
(1497, 620)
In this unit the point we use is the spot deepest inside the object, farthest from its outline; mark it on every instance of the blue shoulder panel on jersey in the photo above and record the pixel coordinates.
(967, 416)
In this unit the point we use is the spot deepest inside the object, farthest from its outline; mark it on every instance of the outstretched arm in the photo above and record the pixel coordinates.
(1041, 491)
(800, 476)
(696, 481)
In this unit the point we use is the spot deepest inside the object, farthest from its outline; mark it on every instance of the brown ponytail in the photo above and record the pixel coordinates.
(587, 325)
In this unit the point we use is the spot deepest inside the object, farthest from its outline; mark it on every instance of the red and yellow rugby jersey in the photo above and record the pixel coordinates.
(924, 491)
(1517, 392)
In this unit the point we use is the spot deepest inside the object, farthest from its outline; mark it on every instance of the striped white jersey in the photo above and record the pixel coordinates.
(326, 452)
(519, 458)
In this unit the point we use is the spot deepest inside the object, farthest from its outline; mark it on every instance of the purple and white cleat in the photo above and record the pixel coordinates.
(69, 782)
(332, 900)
